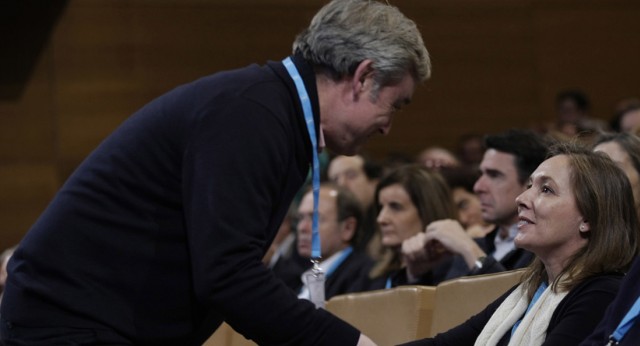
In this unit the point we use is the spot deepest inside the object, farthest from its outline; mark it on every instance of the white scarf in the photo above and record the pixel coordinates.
(532, 330)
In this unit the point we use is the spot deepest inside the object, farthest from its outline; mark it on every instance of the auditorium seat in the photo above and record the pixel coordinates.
(405, 313)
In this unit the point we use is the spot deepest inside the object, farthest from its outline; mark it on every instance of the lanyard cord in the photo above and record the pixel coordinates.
(345, 253)
(308, 116)
(626, 323)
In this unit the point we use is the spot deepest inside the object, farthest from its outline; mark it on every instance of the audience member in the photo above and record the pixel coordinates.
(158, 236)
(469, 149)
(395, 159)
(507, 163)
(461, 180)
(624, 150)
(340, 220)
(283, 243)
(360, 175)
(619, 326)
(572, 115)
(626, 117)
(436, 158)
(283, 257)
(409, 198)
(577, 215)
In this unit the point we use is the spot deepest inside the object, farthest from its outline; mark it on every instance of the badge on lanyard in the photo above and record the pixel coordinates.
(315, 279)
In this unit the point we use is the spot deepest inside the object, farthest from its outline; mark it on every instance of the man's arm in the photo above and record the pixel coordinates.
(236, 168)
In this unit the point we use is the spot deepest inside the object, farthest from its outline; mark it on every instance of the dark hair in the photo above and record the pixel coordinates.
(427, 189)
(603, 195)
(344, 33)
(347, 205)
(528, 147)
(371, 168)
(624, 107)
(430, 195)
(629, 142)
(577, 96)
(461, 176)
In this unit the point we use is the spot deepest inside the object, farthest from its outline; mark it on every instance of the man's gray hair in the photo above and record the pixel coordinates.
(346, 32)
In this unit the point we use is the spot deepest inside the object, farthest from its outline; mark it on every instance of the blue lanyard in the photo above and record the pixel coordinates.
(308, 117)
(388, 283)
(345, 253)
(535, 298)
(626, 323)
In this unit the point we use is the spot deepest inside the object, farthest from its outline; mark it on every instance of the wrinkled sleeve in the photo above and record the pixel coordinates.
(235, 169)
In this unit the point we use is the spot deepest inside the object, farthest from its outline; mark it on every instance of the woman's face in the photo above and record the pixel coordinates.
(623, 160)
(549, 223)
(469, 207)
(398, 217)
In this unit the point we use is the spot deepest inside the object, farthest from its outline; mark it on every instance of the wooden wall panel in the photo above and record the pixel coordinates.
(27, 128)
(28, 155)
(26, 190)
(590, 45)
(483, 76)
(111, 60)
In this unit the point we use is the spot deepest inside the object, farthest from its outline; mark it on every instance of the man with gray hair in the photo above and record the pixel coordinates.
(158, 236)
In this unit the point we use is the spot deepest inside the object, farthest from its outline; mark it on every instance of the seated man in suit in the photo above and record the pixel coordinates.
(509, 159)
(339, 221)
(360, 175)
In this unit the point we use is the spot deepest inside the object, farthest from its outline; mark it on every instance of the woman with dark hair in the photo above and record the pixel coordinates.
(578, 217)
(624, 150)
(409, 198)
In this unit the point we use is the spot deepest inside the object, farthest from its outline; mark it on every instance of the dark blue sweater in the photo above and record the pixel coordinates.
(158, 236)
(629, 292)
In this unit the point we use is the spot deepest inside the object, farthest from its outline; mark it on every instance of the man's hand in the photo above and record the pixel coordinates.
(420, 254)
(365, 341)
(455, 239)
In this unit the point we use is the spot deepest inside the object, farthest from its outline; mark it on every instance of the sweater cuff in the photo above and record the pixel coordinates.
(338, 333)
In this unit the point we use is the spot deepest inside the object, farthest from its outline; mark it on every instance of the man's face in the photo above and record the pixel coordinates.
(568, 112)
(498, 187)
(328, 226)
(348, 172)
(356, 115)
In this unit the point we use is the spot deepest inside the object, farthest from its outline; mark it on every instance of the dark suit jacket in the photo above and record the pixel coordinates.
(289, 269)
(517, 258)
(351, 276)
(629, 292)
